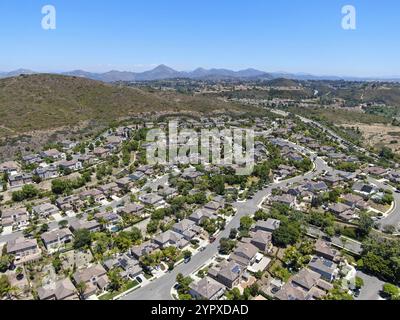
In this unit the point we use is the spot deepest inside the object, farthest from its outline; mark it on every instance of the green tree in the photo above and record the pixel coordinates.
(81, 288)
(286, 234)
(116, 281)
(82, 238)
(365, 224)
(6, 290)
(391, 291)
(226, 246)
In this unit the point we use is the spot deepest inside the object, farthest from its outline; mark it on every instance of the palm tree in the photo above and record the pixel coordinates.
(6, 290)
(81, 288)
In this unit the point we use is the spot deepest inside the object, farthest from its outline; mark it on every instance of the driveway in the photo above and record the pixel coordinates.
(372, 287)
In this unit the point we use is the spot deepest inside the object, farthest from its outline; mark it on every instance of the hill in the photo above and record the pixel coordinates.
(40, 102)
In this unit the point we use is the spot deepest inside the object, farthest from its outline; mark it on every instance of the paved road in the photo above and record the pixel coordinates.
(394, 217)
(160, 288)
(372, 287)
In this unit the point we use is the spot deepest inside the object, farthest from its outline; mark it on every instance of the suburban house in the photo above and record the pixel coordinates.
(364, 189)
(343, 211)
(326, 268)
(68, 203)
(68, 145)
(56, 239)
(9, 167)
(19, 180)
(111, 220)
(60, 290)
(269, 226)
(305, 285)
(101, 152)
(53, 154)
(129, 265)
(109, 189)
(92, 226)
(136, 176)
(262, 240)
(170, 238)
(132, 209)
(186, 228)
(355, 201)
(95, 278)
(227, 273)
(18, 217)
(325, 250)
(316, 187)
(45, 210)
(24, 250)
(151, 199)
(167, 192)
(95, 194)
(144, 249)
(207, 289)
(200, 215)
(285, 199)
(245, 254)
(45, 173)
(124, 183)
(214, 206)
(72, 165)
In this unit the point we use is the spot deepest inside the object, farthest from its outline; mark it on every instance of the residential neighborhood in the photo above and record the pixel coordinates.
(105, 225)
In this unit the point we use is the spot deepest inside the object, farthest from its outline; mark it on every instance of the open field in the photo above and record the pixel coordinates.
(378, 135)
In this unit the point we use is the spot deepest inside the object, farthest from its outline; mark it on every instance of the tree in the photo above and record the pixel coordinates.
(260, 215)
(365, 224)
(63, 224)
(152, 227)
(116, 281)
(246, 222)
(337, 293)
(44, 228)
(5, 262)
(294, 259)
(234, 294)
(135, 234)
(380, 257)
(286, 234)
(123, 241)
(57, 263)
(6, 290)
(83, 239)
(391, 291)
(81, 289)
(187, 254)
(359, 283)
(26, 193)
(233, 234)
(210, 225)
(386, 153)
(226, 246)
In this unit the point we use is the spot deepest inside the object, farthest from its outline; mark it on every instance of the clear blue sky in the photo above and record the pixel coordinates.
(272, 35)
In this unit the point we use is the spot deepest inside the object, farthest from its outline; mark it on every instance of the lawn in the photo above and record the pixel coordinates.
(111, 295)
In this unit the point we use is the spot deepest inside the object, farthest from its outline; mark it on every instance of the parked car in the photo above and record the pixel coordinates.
(138, 279)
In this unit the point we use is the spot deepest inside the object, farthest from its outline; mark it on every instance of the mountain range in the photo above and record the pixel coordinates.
(163, 72)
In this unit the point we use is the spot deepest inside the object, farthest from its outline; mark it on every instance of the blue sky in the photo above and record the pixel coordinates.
(271, 35)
